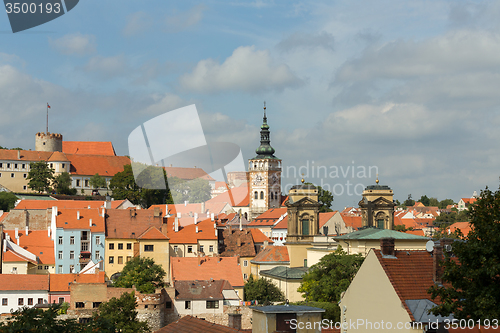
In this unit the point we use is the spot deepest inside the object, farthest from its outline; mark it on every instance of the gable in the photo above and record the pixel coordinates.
(304, 202)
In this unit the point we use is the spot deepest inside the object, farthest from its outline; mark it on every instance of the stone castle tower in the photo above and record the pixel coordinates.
(48, 142)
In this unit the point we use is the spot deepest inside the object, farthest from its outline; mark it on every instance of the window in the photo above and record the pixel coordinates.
(96, 304)
(63, 165)
(51, 165)
(168, 305)
(120, 246)
(40, 267)
(256, 195)
(72, 240)
(129, 258)
(85, 246)
(212, 304)
(98, 240)
(60, 255)
(46, 267)
(111, 246)
(305, 227)
(1, 165)
(71, 268)
(111, 260)
(202, 248)
(59, 269)
(79, 305)
(380, 224)
(120, 260)
(40, 301)
(305, 262)
(211, 248)
(187, 305)
(148, 248)
(262, 194)
(129, 246)
(15, 165)
(12, 175)
(97, 255)
(61, 300)
(245, 276)
(8, 165)
(176, 248)
(25, 175)
(25, 188)
(60, 240)
(24, 166)
(30, 301)
(86, 183)
(78, 183)
(72, 254)
(245, 263)
(4, 301)
(20, 301)
(272, 197)
(190, 249)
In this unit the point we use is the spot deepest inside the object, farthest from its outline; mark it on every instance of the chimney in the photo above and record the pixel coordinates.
(199, 260)
(157, 211)
(166, 211)
(238, 241)
(103, 212)
(215, 225)
(195, 218)
(234, 320)
(202, 208)
(196, 229)
(77, 214)
(18, 154)
(90, 222)
(107, 204)
(17, 233)
(241, 227)
(208, 214)
(133, 212)
(387, 246)
(88, 207)
(176, 224)
(212, 217)
(185, 203)
(26, 229)
(216, 234)
(179, 215)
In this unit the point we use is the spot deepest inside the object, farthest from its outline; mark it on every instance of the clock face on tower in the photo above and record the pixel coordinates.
(274, 178)
(257, 179)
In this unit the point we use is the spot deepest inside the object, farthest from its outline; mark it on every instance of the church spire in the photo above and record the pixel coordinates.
(265, 150)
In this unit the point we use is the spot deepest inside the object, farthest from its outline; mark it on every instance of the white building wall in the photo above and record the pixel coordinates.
(197, 307)
(13, 297)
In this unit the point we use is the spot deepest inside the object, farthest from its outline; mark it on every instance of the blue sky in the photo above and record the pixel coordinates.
(408, 87)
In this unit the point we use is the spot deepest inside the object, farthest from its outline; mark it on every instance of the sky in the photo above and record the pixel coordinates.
(408, 90)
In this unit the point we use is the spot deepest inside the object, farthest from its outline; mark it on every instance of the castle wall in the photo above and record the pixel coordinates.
(48, 142)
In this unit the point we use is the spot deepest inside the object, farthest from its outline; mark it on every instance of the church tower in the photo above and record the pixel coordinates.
(264, 171)
(377, 207)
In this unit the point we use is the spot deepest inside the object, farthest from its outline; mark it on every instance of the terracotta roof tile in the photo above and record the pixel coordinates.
(259, 237)
(190, 324)
(187, 173)
(88, 148)
(352, 221)
(187, 234)
(325, 217)
(24, 282)
(130, 223)
(224, 268)
(268, 218)
(236, 197)
(37, 242)
(283, 224)
(237, 242)
(465, 227)
(89, 165)
(273, 254)
(202, 290)
(61, 282)
(10, 256)
(191, 208)
(24, 155)
(67, 219)
(152, 233)
(44, 204)
(58, 157)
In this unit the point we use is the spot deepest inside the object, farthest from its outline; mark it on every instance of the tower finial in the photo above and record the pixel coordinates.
(377, 179)
(265, 109)
(302, 180)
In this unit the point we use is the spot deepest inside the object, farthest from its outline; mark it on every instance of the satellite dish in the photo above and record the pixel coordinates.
(429, 246)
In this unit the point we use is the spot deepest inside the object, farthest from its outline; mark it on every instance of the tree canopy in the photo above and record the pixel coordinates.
(40, 176)
(262, 290)
(471, 278)
(124, 186)
(7, 201)
(121, 314)
(142, 273)
(62, 184)
(97, 181)
(325, 198)
(194, 191)
(326, 280)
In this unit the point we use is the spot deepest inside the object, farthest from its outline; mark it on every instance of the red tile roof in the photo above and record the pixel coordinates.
(10, 256)
(469, 201)
(130, 224)
(236, 197)
(61, 282)
(272, 254)
(325, 217)
(410, 274)
(352, 221)
(24, 155)
(88, 148)
(237, 242)
(283, 224)
(152, 233)
(196, 289)
(223, 268)
(58, 157)
(24, 282)
(465, 227)
(89, 165)
(268, 218)
(67, 219)
(190, 324)
(187, 234)
(418, 232)
(191, 208)
(44, 204)
(37, 242)
(259, 237)
(187, 173)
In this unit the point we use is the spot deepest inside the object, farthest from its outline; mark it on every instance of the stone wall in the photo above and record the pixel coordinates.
(222, 319)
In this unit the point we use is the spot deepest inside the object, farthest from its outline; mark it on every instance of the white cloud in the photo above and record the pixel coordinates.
(162, 103)
(107, 67)
(137, 23)
(183, 20)
(246, 69)
(75, 44)
(307, 41)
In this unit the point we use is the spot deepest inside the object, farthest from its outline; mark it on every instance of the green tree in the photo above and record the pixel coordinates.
(40, 176)
(433, 202)
(97, 181)
(325, 198)
(142, 273)
(262, 290)
(471, 278)
(7, 201)
(120, 313)
(424, 200)
(444, 203)
(195, 191)
(124, 186)
(62, 184)
(325, 281)
(409, 202)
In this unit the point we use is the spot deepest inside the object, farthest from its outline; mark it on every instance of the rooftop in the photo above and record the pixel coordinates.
(37, 242)
(206, 268)
(190, 324)
(196, 289)
(67, 218)
(286, 309)
(24, 282)
(61, 282)
(88, 148)
(281, 272)
(272, 254)
(129, 223)
(237, 242)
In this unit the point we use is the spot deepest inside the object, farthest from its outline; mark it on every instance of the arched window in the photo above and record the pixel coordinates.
(272, 196)
(262, 194)
(276, 195)
(256, 194)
